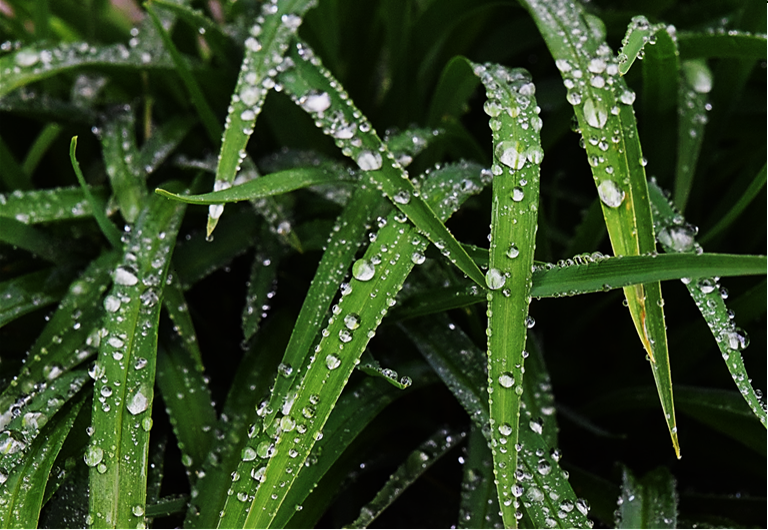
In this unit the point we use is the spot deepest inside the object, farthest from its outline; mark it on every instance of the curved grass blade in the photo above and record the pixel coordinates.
(107, 228)
(34, 240)
(479, 504)
(13, 175)
(58, 347)
(603, 107)
(37, 62)
(517, 154)
(176, 306)
(419, 461)
(265, 186)
(23, 490)
(163, 142)
(264, 50)
(639, 33)
(695, 84)
(745, 199)
(734, 43)
(261, 283)
(57, 204)
(24, 294)
(542, 490)
(125, 371)
(457, 83)
(316, 91)
(650, 502)
(676, 236)
(271, 458)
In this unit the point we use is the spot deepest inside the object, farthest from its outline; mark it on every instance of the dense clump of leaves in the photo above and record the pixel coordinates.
(247, 278)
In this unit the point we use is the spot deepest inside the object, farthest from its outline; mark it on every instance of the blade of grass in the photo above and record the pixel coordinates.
(125, 371)
(602, 104)
(107, 228)
(733, 43)
(270, 457)
(708, 298)
(13, 175)
(35, 240)
(24, 294)
(23, 491)
(744, 200)
(314, 88)
(42, 206)
(479, 504)
(43, 141)
(264, 50)
(650, 502)
(417, 463)
(517, 154)
(163, 142)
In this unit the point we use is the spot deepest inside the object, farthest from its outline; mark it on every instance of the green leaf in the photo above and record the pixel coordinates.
(24, 294)
(733, 43)
(479, 504)
(42, 206)
(35, 240)
(125, 370)
(650, 502)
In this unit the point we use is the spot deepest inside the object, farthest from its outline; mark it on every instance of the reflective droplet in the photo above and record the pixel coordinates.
(495, 279)
(26, 58)
(111, 303)
(610, 193)
(125, 276)
(505, 429)
(402, 197)
(510, 154)
(517, 194)
(363, 270)
(513, 251)
(595, 113)
(345, 335)
(139, 401)
(316, 102)
(369, 160)
(332, 362)
(352, 321)
(507, 380)
(93, 455)
(247, 454)
(418, 258)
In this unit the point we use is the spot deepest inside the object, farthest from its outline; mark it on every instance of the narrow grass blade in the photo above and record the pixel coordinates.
(316, 91)
(188, 403)
(650, 502)
(459, 363)
(734, 43)
(479, 504)
(59, 347)
(745, 199)
(639, 33)
(35, 240)
(204, 111)
(661, 85)
(13, 175)
(517, 153)
(676, 236)
(43, 141)
(24, 294)
(264, 50)
(56, 204)
(261, 283)
(118, 142)
(266, 186)
(107, 228)
(37, 62)
(409, 471)
(602, 104)
(125, 371)
(270, 458)
(457, 83)
(356, 408)
(23, 490)
(176, 306)
(695, 84)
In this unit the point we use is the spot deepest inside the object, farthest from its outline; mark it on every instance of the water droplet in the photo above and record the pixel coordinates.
(418, 258)
(352, 321)
(517, 194)
(505, 429)
(138, 510)
(259, 474)
(125, 276)
(536, 426)
(543, 468)
(737, 339)
(115, 342)
(332, 362)
(93, 455)
(495, 279)
(363, 270)
(595, 113)
(680, 238)
(248, 115)
(247, 454)
(582, 506)
(265, 449)
(316, 102)
(345, 335)
(507, 380)
(610, 193)
(402, 197)
(111, 303)
(252, 44)
(535, 494)
(510, 154)
(250, 95)
(369, 160)
(139, 401)
(627, 97)
(534, 154)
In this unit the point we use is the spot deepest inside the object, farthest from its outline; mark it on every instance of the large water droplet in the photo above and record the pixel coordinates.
(610, 193)
(247, 454)
(595, 113)
(507, 380)
(402, 197)
(93, 455)
(369, 160)
(125, 276)
(495, 279)
(111, 303)
(316, 102)
(513, 251)
(505, 429)
(25, 58)
(332, 362)
(139, 401)
(363, 270)
(679, 238)
(517, 194)
(510, 153)
(352, 321)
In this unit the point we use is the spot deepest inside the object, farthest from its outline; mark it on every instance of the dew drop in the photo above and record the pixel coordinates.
(363, 270)
(495, 279)
(247, 454)
(595, 113)
(369, 160)
(26, 58)
(316, 102)
(402, 197)
(517, 194)
(610, 193)
(125, 276)
(332, 362)
(352, 321)
(93, 455)
(510, 154)
(507, 380)
(513, 251)
(418, 258)
(139, 401)
(111, 303)
(505, 429)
